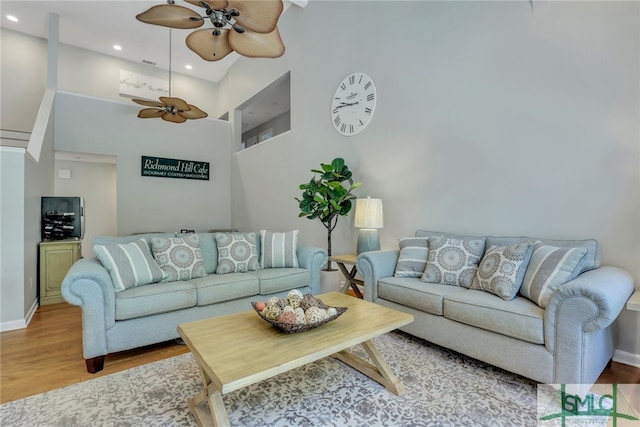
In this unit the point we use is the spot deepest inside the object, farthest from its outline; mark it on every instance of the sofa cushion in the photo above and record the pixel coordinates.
(278, 250)
(502, 269)
(129, 264)
(154, 299)
(217, 288)
(237, 253)
(412, 292)
(209, 251)
(281, 279)
(518, 318)
(179, 257)
(590, 260)
(453, 261)
(412, 259)
(550, 267)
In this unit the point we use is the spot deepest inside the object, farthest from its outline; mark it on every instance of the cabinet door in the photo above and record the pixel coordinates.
(55, 261)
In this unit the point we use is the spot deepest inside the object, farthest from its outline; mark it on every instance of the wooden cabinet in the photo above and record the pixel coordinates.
(56, 257)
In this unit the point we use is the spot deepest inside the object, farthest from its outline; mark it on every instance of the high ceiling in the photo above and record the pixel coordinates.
(98, 25)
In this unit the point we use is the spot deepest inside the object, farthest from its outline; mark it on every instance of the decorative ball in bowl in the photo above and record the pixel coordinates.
(296, 312)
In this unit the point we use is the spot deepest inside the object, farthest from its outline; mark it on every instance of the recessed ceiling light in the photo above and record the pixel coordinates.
(188, 67)
(117, 47)
(12, 18)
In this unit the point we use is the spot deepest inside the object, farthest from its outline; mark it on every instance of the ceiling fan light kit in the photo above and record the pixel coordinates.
(247, 27)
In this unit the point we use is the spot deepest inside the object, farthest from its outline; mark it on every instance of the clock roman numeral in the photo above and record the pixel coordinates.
(343, 86)
(343, 128)
(350, 128)
(335, 110)
(361, 77)
(370, 97)
(352, 79)
(361, 123)
(367, 85)
(367, 110)
(337, 120)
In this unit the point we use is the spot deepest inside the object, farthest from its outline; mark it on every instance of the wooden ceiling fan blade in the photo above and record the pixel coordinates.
(208, 46)
(213, 4)
(193, 113)
(260, 16)
(171, 15)
(257, 45)
(173, 117)
(148, 103)
(179, 104)
(150, 113)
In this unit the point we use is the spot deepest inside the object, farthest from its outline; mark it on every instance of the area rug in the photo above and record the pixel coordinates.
(443, 388)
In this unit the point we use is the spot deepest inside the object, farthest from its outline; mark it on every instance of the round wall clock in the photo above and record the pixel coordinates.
(353, 104)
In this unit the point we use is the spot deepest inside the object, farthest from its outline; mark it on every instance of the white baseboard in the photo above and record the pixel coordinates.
(627, 358)
(20, 323)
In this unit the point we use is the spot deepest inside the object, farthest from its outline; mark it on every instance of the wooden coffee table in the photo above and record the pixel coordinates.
(240, 349)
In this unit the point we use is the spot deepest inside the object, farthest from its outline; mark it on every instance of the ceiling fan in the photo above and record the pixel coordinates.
(248, 27)
(171, 109)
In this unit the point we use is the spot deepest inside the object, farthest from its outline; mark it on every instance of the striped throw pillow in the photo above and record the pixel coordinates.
(278, 250)
(413, 257)
(550, 267)
(129, 264)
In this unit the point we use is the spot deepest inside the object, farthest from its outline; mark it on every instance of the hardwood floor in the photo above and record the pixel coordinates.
(48, 355)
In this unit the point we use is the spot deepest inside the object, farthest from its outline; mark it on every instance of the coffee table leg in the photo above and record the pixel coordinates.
(216, 414)
(378, 371)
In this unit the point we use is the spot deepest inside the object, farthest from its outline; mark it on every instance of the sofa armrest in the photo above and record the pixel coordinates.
(313, 259)
(373, 266)
(588, 303)
(88, 285)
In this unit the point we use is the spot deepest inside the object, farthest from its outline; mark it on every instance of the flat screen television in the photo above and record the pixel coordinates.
(62, 218)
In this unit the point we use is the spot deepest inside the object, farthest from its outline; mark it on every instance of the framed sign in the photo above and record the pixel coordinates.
(174, 168)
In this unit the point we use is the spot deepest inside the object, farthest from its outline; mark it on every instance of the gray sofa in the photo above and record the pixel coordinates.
(116, 321)
(568, 342)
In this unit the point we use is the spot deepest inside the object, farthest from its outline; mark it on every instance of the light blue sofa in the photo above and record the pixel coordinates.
(569, 342)
(145, 315)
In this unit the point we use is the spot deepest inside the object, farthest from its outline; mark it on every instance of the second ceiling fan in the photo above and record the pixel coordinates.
(247, 27)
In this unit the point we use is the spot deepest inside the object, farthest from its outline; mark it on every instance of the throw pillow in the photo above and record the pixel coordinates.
(129, 264)
(412, 259)
(453, 261)
(550, 267)
(237, 253)
(179, 257)
(278, 250)
(502, 269)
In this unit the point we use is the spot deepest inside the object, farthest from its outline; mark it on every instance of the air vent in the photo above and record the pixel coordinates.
(144, 61)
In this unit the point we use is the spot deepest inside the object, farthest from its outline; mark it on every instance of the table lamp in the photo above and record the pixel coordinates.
(368, 218)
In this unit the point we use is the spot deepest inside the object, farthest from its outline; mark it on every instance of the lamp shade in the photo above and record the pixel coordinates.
(368, 213)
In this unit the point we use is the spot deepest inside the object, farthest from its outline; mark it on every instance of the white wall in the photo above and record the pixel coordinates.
(491, 120)
(144, 204)
(12, 162)
(96, 182)
(23, 79)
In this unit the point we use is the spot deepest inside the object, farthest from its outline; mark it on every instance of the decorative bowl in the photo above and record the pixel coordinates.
(301, 327)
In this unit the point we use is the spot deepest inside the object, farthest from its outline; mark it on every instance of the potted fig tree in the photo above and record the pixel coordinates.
(327, 196)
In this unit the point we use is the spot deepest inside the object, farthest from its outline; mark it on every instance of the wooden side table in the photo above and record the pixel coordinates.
(634, 301)
(349, 275)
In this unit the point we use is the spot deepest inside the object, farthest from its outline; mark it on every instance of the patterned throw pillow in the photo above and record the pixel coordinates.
(502, 269)
(453, 261)
(550, 267)
(179, 257)
(412, 259)
(237, 253)
(278, 250)
(129, 264)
